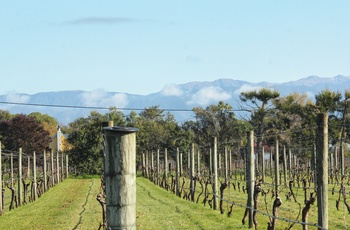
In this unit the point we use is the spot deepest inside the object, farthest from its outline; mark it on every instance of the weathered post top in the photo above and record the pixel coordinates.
(121, 129)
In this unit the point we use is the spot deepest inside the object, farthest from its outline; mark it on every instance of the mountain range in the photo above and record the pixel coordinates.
(66, 106)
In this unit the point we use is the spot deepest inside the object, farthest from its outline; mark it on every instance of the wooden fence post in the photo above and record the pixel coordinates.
(11, 169)
(62, 169)
(322, 169)
(215, 174)
(189, 161)
(192, 174)
(230, 164)
(225, 164)
(277, 168)
(342, 152)
(165, 167)
(313, 165)
(143, 165)
(263, 166)
(67, 166)
(20, 177)
(1, 204)
(181, 164)
(250, 170)
(44, 171)
(147, 164)
(336, 158)
(177, 184)
(52, 169)
(290, 161)
(152, 166)
(34, 175)
(271, 174)
(198, 162)
(210, 163)
(28, 167)
(57, 167)
(120, 177)
(285, 165)
(157, 165)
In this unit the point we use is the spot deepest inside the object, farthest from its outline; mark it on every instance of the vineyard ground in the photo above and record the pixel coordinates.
(72, 205)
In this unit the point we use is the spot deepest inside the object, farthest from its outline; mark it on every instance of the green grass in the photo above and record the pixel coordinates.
(69, 205)
(161, 209)
(72, 205)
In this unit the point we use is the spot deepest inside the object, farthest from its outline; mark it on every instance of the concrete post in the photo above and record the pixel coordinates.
(120, 177)
(322, 169)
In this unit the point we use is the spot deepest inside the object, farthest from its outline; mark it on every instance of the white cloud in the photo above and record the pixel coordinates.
(247, 88)
(310, 95)
(171, 90)
(18, 98)
(102, 98)
(208, 95)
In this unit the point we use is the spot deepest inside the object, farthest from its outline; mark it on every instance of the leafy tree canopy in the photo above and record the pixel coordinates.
(24, 132)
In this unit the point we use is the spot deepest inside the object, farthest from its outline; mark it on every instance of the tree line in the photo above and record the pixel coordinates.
(264, 111)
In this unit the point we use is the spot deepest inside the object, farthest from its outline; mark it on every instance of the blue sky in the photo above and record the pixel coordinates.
(142, 46)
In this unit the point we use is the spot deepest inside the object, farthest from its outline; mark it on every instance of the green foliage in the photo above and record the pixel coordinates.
(85, 135)
(24, 132)
(86, 139)
(5, 115)
(49, 123)
(156, 129)
(218, 121)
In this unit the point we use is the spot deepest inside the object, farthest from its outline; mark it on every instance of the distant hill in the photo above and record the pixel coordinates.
(173, 97)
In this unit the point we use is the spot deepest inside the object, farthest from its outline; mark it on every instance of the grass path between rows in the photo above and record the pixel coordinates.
(161, 209)
(72, 205)
(69, 205)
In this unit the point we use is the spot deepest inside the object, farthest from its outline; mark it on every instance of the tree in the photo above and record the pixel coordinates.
(295, 119)
(85, 136)
(218, 121)
(261, 107)
(157, 129)
(24, 132)
(5, 115)
(49, 123)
